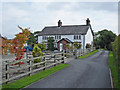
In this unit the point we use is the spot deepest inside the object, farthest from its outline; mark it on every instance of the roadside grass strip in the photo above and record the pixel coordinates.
(84, 56)
(18, 84)
(113, 70)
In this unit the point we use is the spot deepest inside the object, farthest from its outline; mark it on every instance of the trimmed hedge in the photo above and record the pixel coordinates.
(116, 53)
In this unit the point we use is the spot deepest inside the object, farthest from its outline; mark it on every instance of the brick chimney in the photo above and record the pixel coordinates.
(87, 21)
(59, 23)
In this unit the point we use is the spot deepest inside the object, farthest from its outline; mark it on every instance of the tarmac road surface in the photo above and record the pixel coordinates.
(91, 72)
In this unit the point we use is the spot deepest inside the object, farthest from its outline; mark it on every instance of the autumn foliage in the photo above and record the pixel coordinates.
(16, 45)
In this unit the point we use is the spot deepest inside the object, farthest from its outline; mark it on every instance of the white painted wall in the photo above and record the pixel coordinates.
(70, 37)
(88, 37)
(39, 39)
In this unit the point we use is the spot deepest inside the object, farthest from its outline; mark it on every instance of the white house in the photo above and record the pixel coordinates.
(67, 34)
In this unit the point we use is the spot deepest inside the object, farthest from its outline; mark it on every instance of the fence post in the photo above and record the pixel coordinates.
(7, 72)
(30, 65)
(45, 62)
(75, 53)
(63, 57)
(54, 60)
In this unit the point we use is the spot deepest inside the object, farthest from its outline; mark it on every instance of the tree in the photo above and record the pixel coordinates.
(36, 53)
(50, 44)
(104, 39)
(77, 45)
(16, 46)
(88, 45)
(31, 41)
(42, 46)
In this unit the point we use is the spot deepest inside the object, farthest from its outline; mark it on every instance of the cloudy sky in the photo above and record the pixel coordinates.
(37, 15)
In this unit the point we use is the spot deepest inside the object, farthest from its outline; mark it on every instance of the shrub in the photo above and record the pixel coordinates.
(36, 53)
(77, 45)
(88, 45)
(42, 46)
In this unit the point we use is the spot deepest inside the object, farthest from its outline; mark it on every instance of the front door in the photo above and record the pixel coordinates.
(61, 46)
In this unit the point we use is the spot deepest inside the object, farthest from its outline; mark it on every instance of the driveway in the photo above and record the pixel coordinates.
(91, 72)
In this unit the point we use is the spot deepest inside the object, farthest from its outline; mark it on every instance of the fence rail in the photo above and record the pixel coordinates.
(13, 72)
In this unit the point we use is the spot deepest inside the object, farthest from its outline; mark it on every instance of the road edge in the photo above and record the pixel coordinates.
(111, 78)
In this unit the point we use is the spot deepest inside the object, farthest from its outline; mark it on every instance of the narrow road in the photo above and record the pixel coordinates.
(91, 72)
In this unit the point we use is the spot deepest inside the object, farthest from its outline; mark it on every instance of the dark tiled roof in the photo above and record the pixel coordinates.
(66, 39)
(65, 30)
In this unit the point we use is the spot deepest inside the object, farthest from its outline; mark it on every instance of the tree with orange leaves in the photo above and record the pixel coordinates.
(16, 46)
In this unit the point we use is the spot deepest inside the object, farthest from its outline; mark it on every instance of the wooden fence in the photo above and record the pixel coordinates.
(82, 52)
(12, 72)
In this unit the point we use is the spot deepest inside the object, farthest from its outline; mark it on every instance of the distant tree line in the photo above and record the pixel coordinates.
(103, 39)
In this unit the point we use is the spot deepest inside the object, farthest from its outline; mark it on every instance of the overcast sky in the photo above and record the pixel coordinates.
(37, 15)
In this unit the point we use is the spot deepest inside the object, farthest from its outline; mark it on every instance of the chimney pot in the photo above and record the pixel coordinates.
(88, 21)
(59, 23)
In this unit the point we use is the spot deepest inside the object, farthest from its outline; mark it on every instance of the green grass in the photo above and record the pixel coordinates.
(114, 70)
(84, 56)
(30, 79)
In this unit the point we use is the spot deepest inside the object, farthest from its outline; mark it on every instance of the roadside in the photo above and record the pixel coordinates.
(33, 78)
(84, 56)
(113, 70)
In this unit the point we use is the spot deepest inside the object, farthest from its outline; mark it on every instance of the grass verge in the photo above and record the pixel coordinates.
(30, 79)
(114, 70)
(84, 56)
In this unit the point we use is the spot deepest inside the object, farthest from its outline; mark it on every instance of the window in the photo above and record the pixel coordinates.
(43, 37)
(59, 37)
(74, 36)
(55, 38)
(77, 37)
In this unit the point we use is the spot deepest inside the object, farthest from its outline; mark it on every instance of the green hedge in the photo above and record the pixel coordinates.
(116, 53)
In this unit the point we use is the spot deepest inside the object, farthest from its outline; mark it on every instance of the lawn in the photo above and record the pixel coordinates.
(84, 56)
(114, 70)
(30, 79)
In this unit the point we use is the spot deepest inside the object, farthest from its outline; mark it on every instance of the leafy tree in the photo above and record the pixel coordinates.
(36, 53)
(42, 46)
(88, 45)
(36, 35)
(16, 46)
(104, 39)
(31, 41)
(77, 45)
(50, 44)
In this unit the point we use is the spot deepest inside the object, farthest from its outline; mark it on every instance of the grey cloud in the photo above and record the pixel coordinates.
(108, 6)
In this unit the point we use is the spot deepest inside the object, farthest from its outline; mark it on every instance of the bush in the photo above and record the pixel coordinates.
(77, 45)
(88, 45)
(42, 46)
(36, 53)
(116, 53)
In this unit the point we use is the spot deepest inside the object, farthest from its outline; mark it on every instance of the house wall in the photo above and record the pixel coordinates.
(70, 37)
(89, 37)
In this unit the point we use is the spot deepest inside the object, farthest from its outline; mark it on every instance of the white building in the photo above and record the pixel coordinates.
(67, 34)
